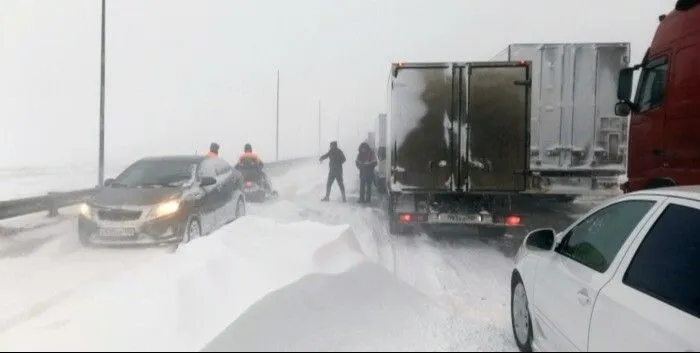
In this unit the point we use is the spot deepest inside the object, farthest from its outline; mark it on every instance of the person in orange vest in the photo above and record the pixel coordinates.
(250, 163)
(249, 157)
(213, 150)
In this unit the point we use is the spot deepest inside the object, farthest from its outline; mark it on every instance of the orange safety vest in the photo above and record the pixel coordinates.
(250, 156)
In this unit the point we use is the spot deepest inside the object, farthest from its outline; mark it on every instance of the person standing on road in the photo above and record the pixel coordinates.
(336, 158)
(366, 161)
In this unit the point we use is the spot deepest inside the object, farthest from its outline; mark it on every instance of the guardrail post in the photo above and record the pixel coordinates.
(52, 204)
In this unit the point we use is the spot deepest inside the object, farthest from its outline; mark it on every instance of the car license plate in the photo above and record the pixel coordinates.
(457, 218)
(117, 232)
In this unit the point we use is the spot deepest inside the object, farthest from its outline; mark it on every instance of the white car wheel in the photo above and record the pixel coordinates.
(520, 316)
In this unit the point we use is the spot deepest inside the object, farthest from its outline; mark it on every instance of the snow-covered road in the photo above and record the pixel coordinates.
(296, 274)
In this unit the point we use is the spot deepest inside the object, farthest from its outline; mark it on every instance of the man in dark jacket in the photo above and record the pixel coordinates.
(366, 161)
(336, 158)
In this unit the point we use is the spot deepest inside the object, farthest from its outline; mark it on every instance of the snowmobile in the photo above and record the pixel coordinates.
(255, 191)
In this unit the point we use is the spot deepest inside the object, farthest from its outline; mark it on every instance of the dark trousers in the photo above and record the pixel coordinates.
(335, 175)
(366, 188)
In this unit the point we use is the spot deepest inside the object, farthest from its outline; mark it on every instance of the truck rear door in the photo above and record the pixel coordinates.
(497, 125)
(420, 122)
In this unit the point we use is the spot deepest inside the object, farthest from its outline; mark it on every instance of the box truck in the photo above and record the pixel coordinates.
(457, 144)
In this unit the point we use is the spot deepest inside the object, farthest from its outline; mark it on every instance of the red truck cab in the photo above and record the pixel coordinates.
(664, 133)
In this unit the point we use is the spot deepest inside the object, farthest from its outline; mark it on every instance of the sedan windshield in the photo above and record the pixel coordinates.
(157, 173)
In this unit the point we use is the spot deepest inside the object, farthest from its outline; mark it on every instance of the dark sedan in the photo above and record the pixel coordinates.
(163, 200)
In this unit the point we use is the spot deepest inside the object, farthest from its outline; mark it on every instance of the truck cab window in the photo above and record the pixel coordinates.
(652, 85)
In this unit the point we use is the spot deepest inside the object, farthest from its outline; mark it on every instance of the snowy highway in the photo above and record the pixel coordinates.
(295, 274)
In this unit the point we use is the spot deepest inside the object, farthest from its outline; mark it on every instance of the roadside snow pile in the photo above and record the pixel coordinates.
(363, 309)
(181, 302)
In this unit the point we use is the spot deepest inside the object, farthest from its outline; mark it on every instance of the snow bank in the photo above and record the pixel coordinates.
(364, 309)
(180, 302)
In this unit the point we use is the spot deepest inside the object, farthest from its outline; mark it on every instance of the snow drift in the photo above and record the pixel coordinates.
(182, 301)
(364, 309)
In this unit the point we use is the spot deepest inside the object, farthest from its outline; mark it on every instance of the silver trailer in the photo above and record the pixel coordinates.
(577, 143)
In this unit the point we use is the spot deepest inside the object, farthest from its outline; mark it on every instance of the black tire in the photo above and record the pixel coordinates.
(187, 235)
(240, 208)
(394, 226)
(492, 232)
(660, 183)
(525, 346)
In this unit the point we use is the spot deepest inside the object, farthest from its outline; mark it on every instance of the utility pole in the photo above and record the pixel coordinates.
(277, 135)
(319, 127)
(101, 173)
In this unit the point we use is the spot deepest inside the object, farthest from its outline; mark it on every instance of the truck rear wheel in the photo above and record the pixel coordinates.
(395, 227)
(492, 232)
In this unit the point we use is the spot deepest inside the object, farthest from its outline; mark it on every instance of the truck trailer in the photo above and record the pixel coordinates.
(457, 144)
(577, 142)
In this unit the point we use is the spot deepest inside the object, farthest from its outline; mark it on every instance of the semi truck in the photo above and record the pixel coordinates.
(664, 148)
(577, 142)
(457, 144)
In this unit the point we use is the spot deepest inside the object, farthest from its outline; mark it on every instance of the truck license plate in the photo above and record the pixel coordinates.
(457, 218)
(117, 232)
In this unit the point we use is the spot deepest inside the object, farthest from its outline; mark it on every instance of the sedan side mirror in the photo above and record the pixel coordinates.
(541, 239)
(206, 181)
(108, 181)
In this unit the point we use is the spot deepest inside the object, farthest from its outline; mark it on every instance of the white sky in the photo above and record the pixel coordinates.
(181, 74)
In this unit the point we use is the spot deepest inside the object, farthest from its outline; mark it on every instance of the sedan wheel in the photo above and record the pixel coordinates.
(193, 231)
(240, 208)
(520, 316)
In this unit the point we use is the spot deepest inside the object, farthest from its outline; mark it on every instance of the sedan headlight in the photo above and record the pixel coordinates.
(165, 209)
(86, 210)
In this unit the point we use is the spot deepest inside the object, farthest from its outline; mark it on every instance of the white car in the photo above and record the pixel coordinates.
(624, 277)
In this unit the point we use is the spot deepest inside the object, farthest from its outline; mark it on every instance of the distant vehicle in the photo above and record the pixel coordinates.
(168, 199)
(664, 147)
(622, 278)
(577, 143)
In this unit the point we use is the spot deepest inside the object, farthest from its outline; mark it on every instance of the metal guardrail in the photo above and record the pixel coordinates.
(53, 201)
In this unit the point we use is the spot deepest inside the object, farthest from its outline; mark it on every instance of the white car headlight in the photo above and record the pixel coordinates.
(165, 209)
(86, 210)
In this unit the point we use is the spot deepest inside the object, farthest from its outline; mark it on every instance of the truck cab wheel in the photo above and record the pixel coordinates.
(660, 183)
